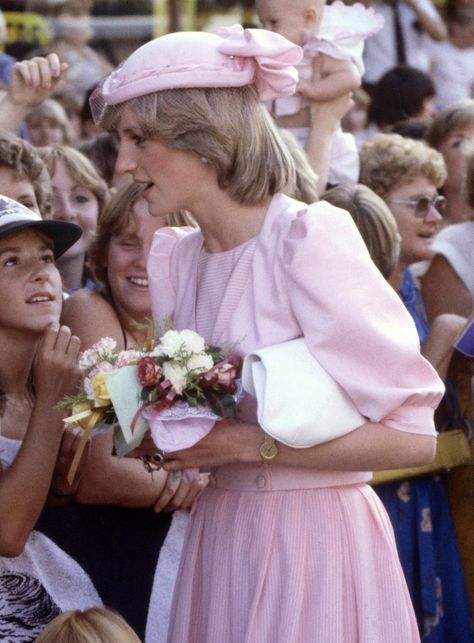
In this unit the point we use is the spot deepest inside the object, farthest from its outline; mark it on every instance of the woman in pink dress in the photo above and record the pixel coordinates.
(284, 545)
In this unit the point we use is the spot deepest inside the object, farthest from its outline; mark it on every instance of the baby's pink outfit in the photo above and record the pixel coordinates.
(280, 554)
(342, 33)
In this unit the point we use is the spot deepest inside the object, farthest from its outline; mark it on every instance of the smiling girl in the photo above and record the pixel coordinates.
(79, 195)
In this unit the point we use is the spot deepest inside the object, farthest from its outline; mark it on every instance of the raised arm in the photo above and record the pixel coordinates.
(325, 119)
(431, 23)
(24, 485)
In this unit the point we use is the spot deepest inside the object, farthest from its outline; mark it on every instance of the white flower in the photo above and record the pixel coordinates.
(200, 363)
(170, 343)
(177, 375)
(193, 343)
(174, 342)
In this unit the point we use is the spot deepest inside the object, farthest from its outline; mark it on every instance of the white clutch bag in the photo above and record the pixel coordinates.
(298, 402)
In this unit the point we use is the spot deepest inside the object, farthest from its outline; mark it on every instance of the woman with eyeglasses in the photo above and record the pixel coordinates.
(407, 174)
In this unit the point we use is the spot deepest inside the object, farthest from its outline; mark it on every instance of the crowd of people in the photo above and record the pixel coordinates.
(308, 176)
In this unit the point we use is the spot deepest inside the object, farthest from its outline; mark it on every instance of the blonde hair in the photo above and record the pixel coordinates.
(227, 126)
(52, 110)
(95, 625)
(388, 160)
(117, 215)
(304, 187)
(456, 116)
(79, 168)
(374, 221)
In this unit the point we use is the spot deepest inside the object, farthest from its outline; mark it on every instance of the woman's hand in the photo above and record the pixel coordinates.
(55, 369)
(224, 444)
(178, 493)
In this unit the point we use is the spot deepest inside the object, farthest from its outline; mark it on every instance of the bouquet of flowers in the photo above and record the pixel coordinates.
(177, 389)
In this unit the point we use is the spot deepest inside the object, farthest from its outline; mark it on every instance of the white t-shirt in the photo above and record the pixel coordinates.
(452, 70)
(456, 244)
(380, 49)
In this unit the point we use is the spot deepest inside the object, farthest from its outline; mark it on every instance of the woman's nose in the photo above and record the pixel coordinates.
(434, 215)
(124, 163)
(63, 209)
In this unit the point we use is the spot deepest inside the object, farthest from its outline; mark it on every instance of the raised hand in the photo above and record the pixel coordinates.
(34, 80)
(55, 369)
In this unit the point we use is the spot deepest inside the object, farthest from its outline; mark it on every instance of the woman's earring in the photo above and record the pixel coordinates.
(204, 159)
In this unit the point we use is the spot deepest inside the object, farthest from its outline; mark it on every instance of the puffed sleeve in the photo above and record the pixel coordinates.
(354, 322)
(161, 278)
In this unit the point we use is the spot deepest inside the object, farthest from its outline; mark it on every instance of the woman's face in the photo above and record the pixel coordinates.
(19, 189)
(45, 131)
(174, 179)
(126, 264)
(30, 284)
(416, 233)
(453, 148)
(76, 204)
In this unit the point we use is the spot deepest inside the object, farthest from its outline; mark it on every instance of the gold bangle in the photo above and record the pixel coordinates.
(268, 449)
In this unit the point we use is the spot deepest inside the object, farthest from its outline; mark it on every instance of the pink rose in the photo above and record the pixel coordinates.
(149, 372)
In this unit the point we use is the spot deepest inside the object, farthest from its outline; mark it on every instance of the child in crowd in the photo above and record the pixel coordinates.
(332, 39)
(452, 60)
(48, 124)
(95, 625)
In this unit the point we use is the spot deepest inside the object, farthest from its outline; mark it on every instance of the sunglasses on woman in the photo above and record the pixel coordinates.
(422, 204)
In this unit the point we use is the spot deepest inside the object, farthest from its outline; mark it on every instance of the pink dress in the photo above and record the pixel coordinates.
(277, 554)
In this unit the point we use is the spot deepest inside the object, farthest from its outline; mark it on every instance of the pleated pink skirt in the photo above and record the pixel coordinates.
(314, 565)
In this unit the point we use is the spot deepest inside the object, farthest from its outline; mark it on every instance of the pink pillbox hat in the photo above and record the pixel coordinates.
(232, 57)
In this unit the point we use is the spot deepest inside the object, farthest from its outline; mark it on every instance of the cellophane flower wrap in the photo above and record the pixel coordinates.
(177, 389)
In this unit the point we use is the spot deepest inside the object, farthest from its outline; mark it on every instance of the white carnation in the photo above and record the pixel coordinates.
(193, 343)
(170, 343)
(176, 375)
(200, 363)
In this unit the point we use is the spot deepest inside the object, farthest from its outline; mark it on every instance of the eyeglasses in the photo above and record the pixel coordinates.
(423, 204)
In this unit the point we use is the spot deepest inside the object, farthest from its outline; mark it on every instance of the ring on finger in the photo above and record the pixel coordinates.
(149, 464)
(159, 457)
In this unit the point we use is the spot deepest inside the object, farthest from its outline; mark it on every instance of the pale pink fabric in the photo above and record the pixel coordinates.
(233, 57)
(280, 554)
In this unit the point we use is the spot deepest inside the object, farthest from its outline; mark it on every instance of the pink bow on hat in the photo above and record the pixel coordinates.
(274, 56)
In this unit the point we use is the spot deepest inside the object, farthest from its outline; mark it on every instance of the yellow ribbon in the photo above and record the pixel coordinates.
(88, 418)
